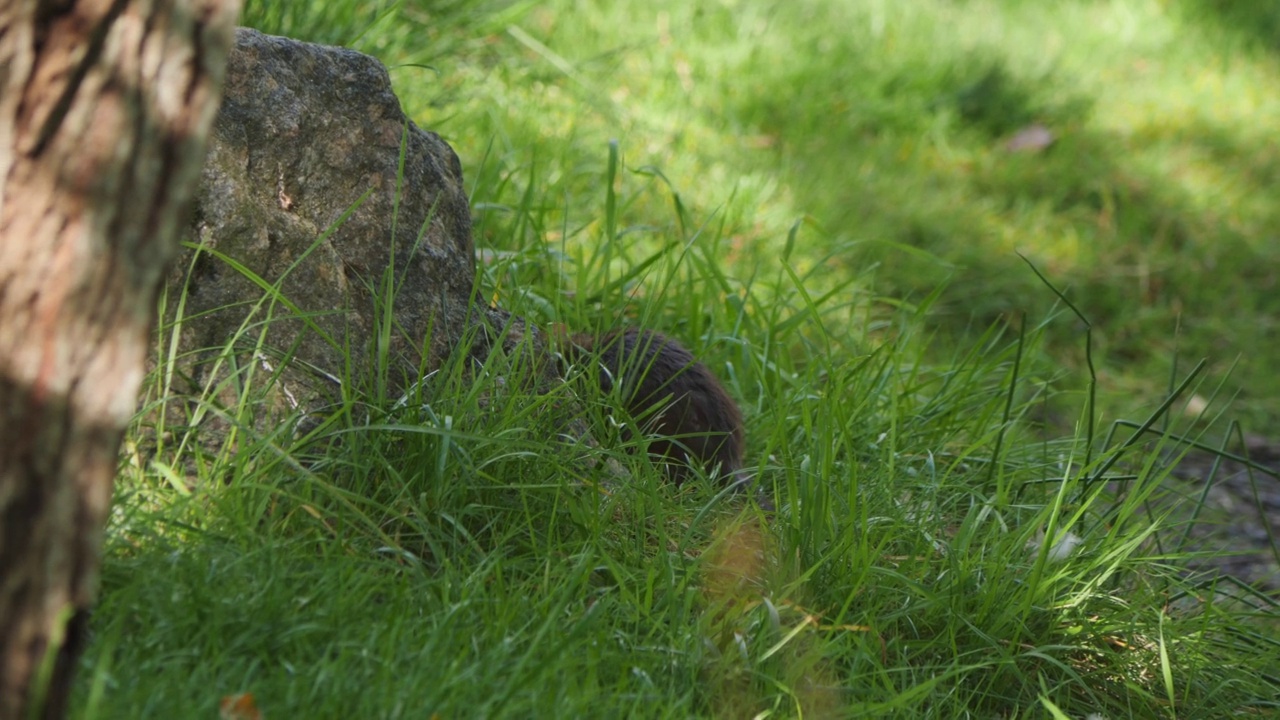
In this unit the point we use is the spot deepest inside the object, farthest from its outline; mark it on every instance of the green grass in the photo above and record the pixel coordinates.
(1154, 206)
(813, 196)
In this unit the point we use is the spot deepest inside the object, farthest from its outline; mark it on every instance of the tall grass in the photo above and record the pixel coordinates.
(960, 528)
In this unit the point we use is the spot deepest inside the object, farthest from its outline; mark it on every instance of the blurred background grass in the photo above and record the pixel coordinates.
(883, 128)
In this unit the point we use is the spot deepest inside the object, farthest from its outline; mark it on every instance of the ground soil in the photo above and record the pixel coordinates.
(1240, 521)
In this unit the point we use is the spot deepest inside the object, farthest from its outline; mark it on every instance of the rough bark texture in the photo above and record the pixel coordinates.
(307, 189)
(104, 110)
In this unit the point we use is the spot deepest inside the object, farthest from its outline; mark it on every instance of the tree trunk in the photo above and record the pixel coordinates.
(105, 106)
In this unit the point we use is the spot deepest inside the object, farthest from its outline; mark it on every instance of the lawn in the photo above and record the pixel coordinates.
(932, 333)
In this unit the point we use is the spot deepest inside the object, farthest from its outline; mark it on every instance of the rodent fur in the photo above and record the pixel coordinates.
(698, 423)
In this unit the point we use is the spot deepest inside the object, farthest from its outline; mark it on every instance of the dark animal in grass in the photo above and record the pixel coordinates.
(675, 399)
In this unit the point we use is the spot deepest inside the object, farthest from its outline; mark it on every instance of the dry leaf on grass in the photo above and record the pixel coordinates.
(240, 706)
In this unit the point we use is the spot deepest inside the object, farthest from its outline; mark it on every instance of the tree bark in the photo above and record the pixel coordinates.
(105, 106)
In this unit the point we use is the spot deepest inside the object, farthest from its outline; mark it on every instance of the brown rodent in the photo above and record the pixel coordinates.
(696, 423)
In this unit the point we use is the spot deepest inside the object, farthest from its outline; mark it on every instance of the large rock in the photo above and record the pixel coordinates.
(317, 184)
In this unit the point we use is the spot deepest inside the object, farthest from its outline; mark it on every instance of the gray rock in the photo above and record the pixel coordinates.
(303, 187)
